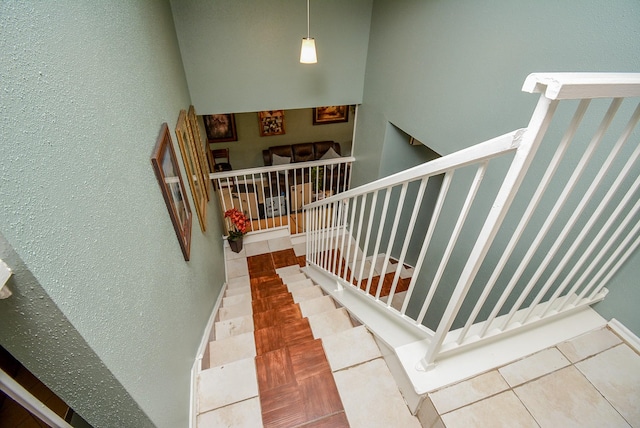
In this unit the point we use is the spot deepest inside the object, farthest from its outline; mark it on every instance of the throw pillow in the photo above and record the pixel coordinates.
(280, 160)
(330, 154)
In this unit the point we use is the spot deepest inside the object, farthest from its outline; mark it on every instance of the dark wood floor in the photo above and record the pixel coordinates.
(294, 377)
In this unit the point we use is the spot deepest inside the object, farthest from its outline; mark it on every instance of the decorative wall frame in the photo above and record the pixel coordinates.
(271, 122)
(220, 127)
(200, 146)
(165, 166)
(330, 114)
(192, 167)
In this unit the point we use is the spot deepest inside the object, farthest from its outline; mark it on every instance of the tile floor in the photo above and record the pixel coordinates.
(590, 381)
(286, 356)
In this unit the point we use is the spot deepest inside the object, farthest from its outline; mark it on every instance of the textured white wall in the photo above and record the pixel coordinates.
(243, 55)
(450, 73)
(85, 88)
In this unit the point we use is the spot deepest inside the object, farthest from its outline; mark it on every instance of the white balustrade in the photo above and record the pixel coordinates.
(503, 245)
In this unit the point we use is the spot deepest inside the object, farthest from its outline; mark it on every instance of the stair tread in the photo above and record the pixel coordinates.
(330, 322)
(306, 293)
(230, 349)
(315, 306)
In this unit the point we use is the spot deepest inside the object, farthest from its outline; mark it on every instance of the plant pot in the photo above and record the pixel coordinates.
(235, 244)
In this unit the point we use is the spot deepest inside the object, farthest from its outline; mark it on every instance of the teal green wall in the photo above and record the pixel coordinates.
(85, 89)
(450, 73)
(243, 55)
(299, 128)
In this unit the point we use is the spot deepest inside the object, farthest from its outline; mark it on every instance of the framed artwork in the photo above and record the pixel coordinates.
(192, 120)
(271, 122)
(192, 167)
(330, 114)
(165, 166)
(220, 127)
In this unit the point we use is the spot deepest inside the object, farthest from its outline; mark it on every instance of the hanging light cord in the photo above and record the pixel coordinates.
(308, 19)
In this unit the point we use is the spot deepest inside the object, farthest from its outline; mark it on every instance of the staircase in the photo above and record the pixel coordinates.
(284, 355)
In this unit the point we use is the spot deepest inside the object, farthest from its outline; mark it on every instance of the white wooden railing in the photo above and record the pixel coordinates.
(273, 196)
(500, 236)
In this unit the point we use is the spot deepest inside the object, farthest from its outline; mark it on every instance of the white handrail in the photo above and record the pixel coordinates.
(348, 230)
(23, 397)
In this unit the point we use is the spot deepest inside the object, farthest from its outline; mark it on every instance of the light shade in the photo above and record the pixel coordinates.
(308, 51)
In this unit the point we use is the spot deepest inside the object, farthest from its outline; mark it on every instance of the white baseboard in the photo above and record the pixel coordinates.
(626, 334)
(197, 364)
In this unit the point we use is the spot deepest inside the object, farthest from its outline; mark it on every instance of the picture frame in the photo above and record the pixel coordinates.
(192, 168)
(271, 122)
(200, 146)
(220, 127)
(167, 171)
(330, 114)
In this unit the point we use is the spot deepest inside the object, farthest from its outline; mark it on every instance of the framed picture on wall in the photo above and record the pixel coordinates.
(165, 166)
(193, 169)
(330, 114)
(220, 127)
(271, 122)
(200, 146)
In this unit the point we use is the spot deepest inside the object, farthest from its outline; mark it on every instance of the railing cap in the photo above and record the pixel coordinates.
(559, 86)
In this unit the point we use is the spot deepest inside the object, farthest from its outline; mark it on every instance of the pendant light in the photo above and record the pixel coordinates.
(308, 51)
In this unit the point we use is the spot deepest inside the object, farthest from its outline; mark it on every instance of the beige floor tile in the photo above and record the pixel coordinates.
(233, 327)
(237, 267)
(227, 384)
(588, 344)
(257, 248)
(469, 391)
(235, 311)
(293, 278)
(279, 244)
(243, 414)
(318, 305)
(328, 323)
(231, 255)
(371, 398)
(616, 374)
(565, 398)
(236, 300)
(240, 281)
(301, 294)
(232, 349)
(533, 366)
(238, 290)
(428, 415)
(288, 271)
(305, 283)
(502, 410)
(350, 347)
(300, 249)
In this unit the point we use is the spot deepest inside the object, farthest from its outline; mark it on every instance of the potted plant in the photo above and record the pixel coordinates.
(237, 226)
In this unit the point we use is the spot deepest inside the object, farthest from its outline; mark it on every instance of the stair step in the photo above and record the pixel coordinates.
(288, 270)
(233, 327)
(235, 311)
(238, 290)
(330, 322)
(316, 306)
(306, 293)
(231, 349)
(235, 300)
(294, 278)
(305, 283)
(241, 281)
(350, 347)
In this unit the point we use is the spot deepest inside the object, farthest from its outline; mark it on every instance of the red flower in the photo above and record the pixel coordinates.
(238, 223)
